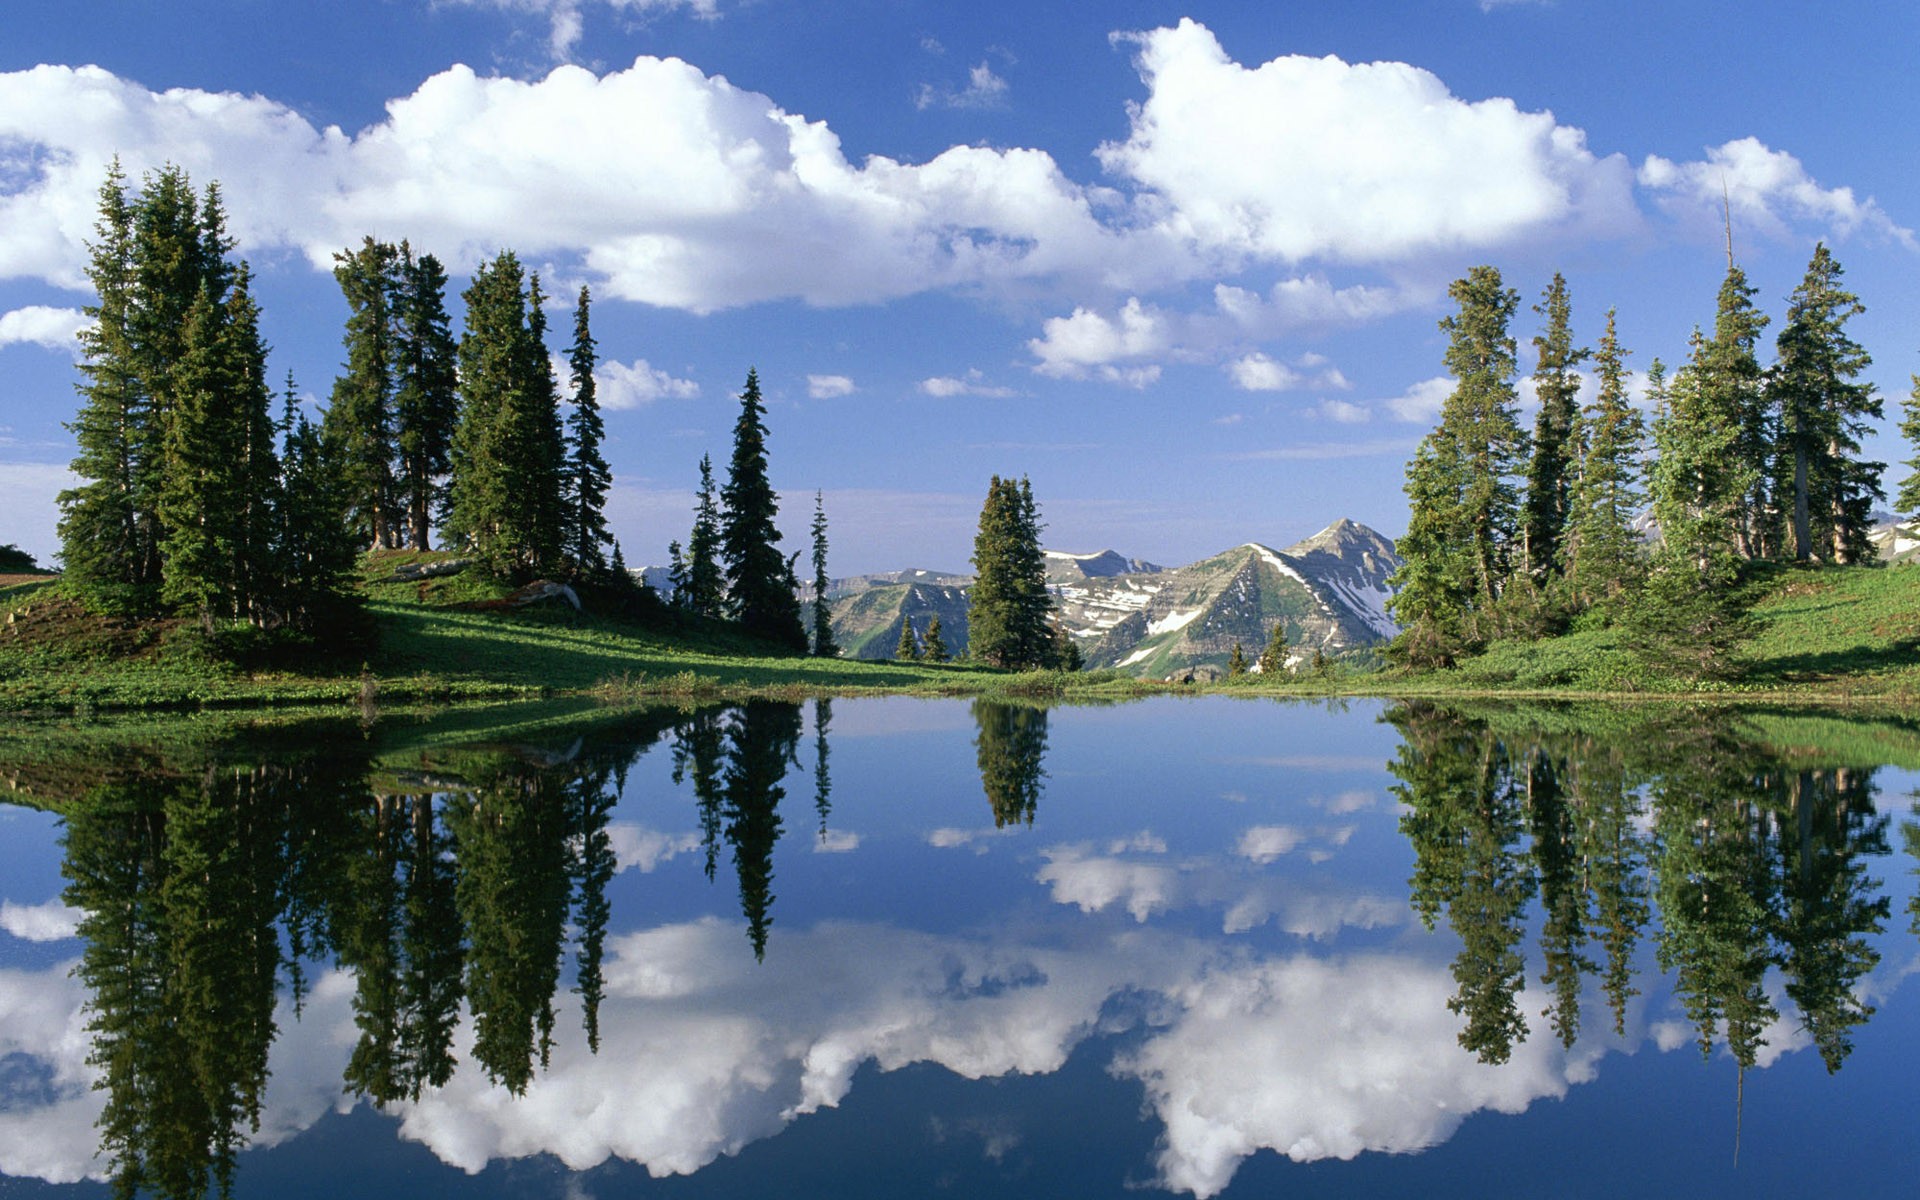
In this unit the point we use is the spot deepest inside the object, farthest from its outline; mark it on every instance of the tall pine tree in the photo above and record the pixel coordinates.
(706, 588)
(1823, 493)
(760, 591)
(1604, 559)
(426, 406)
(1908, 499)
(360, 418)
(1464, 503)
(587, 475)
(1556, 435)
(1008, 607)
(504, 499)
(823, 643)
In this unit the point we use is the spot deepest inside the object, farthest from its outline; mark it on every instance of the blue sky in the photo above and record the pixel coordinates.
(1179, 265)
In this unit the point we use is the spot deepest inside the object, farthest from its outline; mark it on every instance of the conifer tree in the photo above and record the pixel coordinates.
(1460, 485)
(1556, 434)
(1009, 609)
(1719, 437)
(588, 476)
(823, 643)
(99, 522)
(360, 417)
(1823, 493)
(676, 574)
(1604, 560)
(426, 404)
(907, 649)
(1237, 661)
(1908, 499)
(504, 497)
(1273, 659)
(760, 591)
(936, 649)
(706, 588)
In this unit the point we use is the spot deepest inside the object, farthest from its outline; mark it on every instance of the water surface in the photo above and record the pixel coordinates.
(899, 947)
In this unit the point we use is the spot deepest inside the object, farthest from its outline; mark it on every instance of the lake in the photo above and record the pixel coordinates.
(905, 947)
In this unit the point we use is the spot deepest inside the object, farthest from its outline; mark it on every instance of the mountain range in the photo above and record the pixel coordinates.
(1329, 591)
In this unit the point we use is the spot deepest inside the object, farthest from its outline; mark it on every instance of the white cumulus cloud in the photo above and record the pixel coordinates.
(49, 922)
(620, 385)
(41, 325)
(826, 387)
(1352, 162)
(973, 384)
(1765, 189)
(672, 187)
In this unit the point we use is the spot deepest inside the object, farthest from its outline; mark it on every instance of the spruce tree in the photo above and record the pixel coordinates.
(823, 643)
(99, 521)
(504, 501)
(1556, 435)
(676, 575)
(587, 475)
(1009, 610)
(706, 587)
(360, 417)
(426, 404)
(1237, 661)
(1273, 659)
(1604, 559)
(1908, 499)
(760, 592)
(1463, 518)
(1823, 493)
(936, 645)
(907, 649)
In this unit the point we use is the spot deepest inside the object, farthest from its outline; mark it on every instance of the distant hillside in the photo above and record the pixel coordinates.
(867, 623)
(1330, 590)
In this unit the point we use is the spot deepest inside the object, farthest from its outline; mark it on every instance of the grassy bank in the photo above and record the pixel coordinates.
(431, 646)
(1830, 636)
(1833, 635)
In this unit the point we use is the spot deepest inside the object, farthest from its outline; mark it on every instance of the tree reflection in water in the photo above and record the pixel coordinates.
(454, 887)
(1010, 744)
(1754, 863)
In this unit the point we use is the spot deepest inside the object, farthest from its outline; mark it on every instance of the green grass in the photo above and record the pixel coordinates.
(62, 657)
(1834, 634)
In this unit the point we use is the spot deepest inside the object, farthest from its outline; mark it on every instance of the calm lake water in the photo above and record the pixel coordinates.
(905, 948)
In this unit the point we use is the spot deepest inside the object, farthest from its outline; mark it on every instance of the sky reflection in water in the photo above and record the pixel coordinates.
(1140, 944)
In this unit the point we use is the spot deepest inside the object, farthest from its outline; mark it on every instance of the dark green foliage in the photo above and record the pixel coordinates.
(1714, 437)
(1908, 499)
(14, 560)
(1273, 659)
(761, 594)
(588, 478)
(823, 643)
(1823, 495)
(936, 647)
(1009, 610)
(504, 501)
(360, 418)
(1755, 864)
(426, 406)
(103, 531)
(1463, 819)
(187, 506)
(1010, 744)
(1461, 489)
(1557, 437)
(908, 648)
(1237, 661)
(1604, 560)
(705, 589)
